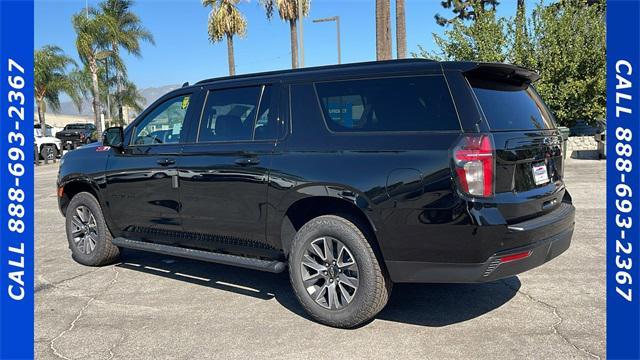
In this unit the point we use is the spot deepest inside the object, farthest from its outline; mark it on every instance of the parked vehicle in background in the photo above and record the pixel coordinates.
(584, 128)
(74, 135)
(47, 146)
(354, 176)
(51, 131)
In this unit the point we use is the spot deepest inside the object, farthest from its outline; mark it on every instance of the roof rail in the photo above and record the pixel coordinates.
(317, 68)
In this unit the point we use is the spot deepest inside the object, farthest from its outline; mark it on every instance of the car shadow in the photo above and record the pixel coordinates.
(432, 305)
(585, 155)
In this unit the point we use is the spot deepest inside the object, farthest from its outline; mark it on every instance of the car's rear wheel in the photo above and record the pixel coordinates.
(49, 152)
(87, 233)
(335, 273)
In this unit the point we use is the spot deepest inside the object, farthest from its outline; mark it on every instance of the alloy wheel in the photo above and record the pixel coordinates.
(329, 273)
(85, 229)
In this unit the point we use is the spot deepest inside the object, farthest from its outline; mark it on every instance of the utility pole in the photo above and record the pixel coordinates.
(337, 20)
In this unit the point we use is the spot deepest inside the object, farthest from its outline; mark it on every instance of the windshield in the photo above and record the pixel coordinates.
(37, 132)
(509, 106)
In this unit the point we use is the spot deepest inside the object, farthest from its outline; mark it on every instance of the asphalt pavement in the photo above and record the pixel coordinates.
(158, 307)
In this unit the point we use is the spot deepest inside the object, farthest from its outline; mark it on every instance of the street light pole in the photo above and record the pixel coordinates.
(337, 20)
(338, 38)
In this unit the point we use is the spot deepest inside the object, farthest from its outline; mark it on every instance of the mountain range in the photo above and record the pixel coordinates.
(150, 95)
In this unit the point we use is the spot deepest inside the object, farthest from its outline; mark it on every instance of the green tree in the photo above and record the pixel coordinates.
(91, 43)
(51, 78)
(124, 31)
(482, 39)
(464, 9)
(521, 49)
(565, 42)
(226, 21)
(569, 51)
(128, 97)
(288, 11)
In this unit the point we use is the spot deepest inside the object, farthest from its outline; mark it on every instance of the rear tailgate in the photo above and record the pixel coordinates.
(68, 135)
(528, 174)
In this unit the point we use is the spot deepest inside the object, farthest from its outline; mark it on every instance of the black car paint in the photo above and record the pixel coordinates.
(402, 183)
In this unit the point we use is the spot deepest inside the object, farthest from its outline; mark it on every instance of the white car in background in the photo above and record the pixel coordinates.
(47, 146)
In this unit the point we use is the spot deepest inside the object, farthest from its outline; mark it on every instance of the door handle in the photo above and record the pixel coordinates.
(247, 161)
(166, 162)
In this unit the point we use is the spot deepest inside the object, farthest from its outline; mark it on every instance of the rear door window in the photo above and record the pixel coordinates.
(412, 103)
(238, 114)
(511, 106)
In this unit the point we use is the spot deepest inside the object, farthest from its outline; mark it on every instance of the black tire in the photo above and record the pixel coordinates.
(49, 152)
(104, 251)
(374, 286)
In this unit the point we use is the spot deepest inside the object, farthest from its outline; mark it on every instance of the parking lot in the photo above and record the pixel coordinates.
(157, 307)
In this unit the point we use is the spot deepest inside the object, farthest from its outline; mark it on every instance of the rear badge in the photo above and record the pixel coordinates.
(103, 148)
(540, 175)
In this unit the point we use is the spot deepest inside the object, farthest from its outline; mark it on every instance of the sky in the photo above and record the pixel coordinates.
(183, 51)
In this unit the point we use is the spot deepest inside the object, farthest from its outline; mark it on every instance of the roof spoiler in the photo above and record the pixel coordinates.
(503, 71)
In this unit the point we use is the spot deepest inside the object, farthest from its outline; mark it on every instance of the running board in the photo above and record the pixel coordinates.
(273, 266)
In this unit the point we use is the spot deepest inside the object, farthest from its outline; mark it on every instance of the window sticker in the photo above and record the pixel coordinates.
(185, 102)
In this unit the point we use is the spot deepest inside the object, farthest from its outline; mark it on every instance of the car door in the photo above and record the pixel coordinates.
(142, 179)
(224, 171)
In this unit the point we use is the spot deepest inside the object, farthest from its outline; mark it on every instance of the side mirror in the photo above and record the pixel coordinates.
(114, 137)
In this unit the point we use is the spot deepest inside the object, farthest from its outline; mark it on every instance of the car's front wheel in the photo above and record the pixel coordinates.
(335, 273)
(87, 233)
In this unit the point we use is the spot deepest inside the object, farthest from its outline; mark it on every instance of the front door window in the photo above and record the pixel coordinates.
(164, 124)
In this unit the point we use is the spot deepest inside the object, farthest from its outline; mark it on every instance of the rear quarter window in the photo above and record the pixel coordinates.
(417, 103)
(511, 106)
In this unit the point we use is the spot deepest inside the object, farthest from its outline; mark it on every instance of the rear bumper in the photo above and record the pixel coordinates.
(546, 237)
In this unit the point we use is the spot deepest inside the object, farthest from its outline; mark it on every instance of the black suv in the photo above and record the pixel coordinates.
(354, 177)
(74, 135)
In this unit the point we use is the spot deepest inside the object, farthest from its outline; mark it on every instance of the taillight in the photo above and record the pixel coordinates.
(475, 161)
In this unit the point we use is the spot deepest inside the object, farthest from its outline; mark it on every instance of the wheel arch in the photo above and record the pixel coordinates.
(317, 200)
(71, 188)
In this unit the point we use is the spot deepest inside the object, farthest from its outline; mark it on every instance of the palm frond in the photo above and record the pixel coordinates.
(225, 19)
(51, 76)
(287, 9)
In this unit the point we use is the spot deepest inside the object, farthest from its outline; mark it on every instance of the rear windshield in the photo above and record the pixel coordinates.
(417, 103)
(509, 106)
(75, 127)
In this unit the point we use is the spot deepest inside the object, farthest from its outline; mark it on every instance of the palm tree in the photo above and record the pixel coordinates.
(226, 21)
(125, 31)
(288, 11)
(91, 42)
(383, 30)
(51, 78)
(129, 97)
(401, 30)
